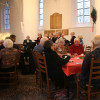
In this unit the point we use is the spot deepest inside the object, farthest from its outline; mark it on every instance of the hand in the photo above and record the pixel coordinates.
(75, 54)
(69, 54)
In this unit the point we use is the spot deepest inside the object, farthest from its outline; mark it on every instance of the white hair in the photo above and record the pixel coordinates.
(76, 39)
(8, 43)
(59, 41)
(96, 40)
(43, 40)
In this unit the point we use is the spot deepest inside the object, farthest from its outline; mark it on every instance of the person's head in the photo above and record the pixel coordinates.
(55, 35)
(13, 38)
(28, 37)
(8, 43)
(61, 43)
(46, 35)
(72, 34)
(49, 45)
(62, 35)
(96, 41)
(43, 40)
(59, 34)
(76, 41)
(39, 35)
(80, 37)
(50, 35)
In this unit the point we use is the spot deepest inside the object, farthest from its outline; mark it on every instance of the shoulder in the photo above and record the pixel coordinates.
(72, 46)
(80, 45)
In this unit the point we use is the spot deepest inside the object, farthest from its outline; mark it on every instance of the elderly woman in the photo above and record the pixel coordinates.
(59, 46)
(8, 55)
(39, 38)
(76, 49)
(54, 63)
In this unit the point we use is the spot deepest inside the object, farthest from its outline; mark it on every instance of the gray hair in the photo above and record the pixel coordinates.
(96, 40)
(8, 43)
(76, 39)
(43, 40)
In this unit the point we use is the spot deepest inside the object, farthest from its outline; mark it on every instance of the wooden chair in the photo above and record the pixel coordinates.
(43, 69)
(94, 75)
(13, 75)
(35, 53)
(88, 49)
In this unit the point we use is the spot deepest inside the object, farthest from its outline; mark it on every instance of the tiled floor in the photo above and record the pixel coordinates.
(28, 90)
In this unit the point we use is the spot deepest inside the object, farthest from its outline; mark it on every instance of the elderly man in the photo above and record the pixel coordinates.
(39, 47)
(76, 49)
(84, 76)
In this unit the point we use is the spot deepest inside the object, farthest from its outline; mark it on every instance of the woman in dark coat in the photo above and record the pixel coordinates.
(54, 63)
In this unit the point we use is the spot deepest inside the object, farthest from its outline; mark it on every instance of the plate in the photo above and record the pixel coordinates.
(78, 63)
(77, 58)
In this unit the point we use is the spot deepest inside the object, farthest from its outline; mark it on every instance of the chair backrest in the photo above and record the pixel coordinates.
(94, 69)
(88, 49)
(35, 58)
(41, 59)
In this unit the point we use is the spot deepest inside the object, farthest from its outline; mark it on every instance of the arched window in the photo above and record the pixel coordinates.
(83, 11)
(7, 16)
(40, 12)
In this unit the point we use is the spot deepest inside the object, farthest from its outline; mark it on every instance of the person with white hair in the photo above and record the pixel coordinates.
(8, 54)
(76, 49)
(84, 76)
(26, 42)
(39, 48)
(59, 46)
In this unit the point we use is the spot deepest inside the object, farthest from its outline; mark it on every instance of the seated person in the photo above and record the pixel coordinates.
(40, 47)
(50, 36)
(84, 76)
(54, 37)
(1, 44)
(72, 38)
(13, 38)
(54, 63)
(76, 49)
(8, 55)
(26, 43)
(80, 39)
(39, 38)
(59, 46)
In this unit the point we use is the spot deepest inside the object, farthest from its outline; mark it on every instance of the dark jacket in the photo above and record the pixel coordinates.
(54, 63)
(27, 44)
(72, 40)
(84, 76)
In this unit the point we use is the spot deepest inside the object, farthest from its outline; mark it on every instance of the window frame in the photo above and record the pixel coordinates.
(40, 14)
(83, 15)
(7, 16)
